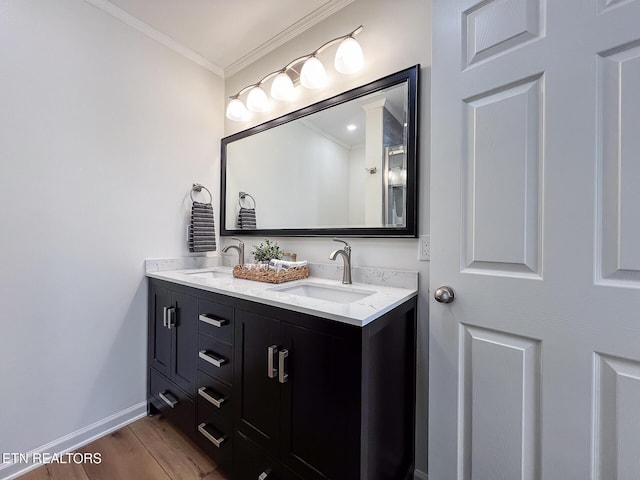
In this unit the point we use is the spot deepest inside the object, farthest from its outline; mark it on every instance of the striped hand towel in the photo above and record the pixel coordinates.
(202, 229)
(247, 219)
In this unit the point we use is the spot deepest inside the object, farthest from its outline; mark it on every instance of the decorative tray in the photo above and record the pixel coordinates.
(271, 276)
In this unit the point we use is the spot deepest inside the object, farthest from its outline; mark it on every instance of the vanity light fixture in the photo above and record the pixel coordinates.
(236, 110)
(349, 57)
(313, 74)
(282, 87)
(308, 69)
(257, 100)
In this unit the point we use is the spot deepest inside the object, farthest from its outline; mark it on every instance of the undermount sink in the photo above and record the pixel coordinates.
(325, 292)
(213, 273)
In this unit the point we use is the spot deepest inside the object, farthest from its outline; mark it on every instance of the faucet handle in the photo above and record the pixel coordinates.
(341, 241)
(240, 242)
(347, 247)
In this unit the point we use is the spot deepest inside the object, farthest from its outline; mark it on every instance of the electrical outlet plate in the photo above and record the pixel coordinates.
(424, 247)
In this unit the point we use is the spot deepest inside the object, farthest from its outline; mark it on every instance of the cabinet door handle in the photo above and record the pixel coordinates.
(164, 316)
(211, 396)
(272, 371)
(264, 475)
(212, 358)
(171, 317)
(282, 365)
(211, 320)
(212, 435)
(164, 397)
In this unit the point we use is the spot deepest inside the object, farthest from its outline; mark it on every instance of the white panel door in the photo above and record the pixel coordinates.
(535, 223)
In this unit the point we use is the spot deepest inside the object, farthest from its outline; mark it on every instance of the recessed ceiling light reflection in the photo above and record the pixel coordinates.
(351, 127)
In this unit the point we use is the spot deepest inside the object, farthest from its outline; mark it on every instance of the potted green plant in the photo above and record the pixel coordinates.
(266, 251)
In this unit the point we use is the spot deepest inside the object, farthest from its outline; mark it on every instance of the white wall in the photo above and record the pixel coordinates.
(102, 133)
(308, 187)
(397, 35)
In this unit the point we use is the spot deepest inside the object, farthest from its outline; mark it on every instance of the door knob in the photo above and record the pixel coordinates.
(444, 294)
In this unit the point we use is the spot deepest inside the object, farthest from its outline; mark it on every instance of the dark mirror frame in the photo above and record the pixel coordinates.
(411, 77)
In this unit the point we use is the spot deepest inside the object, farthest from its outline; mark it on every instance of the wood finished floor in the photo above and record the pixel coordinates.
(148, 449)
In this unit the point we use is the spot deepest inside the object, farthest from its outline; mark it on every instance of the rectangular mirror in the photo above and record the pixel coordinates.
(345, 166)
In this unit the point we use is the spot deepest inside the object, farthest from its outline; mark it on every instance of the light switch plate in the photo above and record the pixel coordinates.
(424, 247)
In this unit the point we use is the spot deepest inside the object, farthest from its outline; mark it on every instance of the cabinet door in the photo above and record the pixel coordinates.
(185, 342)
(320, 403)
(257, 396)
(159, 334)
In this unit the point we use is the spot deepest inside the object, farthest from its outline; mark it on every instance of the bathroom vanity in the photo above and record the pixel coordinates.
(305, 380)
(311, 379)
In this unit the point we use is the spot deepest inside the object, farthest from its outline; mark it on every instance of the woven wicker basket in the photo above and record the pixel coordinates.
(271, 276)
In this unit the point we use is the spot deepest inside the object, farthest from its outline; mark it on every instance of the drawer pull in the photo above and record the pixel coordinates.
(164, 397)
(212, 435)
(212, 359)
(171, 317)
(283, 375)
(272, 371)
(264, 475)
(216, 322)
(211, 396)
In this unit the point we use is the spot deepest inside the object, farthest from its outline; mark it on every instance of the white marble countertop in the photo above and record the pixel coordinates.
(380, 299)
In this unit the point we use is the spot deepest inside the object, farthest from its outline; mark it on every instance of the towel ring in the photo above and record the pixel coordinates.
(198, 188)
(243, 196)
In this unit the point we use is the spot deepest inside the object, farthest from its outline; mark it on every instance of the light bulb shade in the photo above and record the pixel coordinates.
(282, 87)
(349, 57)
(236, 110)
(257, 100)
(313, 75)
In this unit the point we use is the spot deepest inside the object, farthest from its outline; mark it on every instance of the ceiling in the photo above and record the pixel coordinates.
(229, 34)
(333, 122)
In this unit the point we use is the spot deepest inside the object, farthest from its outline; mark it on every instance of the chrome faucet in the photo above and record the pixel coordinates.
(239, 248)
(346, 258)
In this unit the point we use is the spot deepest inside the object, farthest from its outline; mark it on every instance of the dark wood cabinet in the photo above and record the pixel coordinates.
(172, 340)
(171, 401)
(252, 463)
(173, 331)
(274, 394)
(214, 354)
(320, 401)
(185, 331)
(159, 350)
(257, 390)
(299, 390)
(324, 399)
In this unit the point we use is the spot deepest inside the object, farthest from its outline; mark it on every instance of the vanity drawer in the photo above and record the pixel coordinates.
(214, 398)
(220, 421)
(214, 439)
(216, 320)
(251, 462)
(215, 357)
(172, 402)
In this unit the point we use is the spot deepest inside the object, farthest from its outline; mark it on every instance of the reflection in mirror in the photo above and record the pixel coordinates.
(347, 168)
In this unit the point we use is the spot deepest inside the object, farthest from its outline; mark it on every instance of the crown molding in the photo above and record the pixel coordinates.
(283, 37)
(156, 35)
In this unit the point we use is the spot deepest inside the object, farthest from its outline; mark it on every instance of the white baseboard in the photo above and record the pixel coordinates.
(418, 475)
(77, 439)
